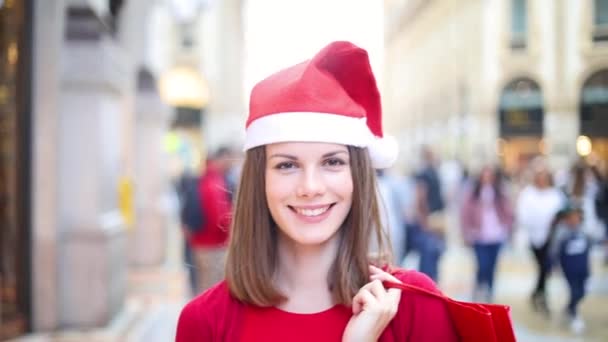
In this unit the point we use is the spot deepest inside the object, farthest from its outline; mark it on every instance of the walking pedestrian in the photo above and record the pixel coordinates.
(570, 247)
(392, 209)
(582, 187)
(430, 227)
(209, 241)
(537, 205)
(486, 221)
(190, 219)
(298, 266)
(601, 205)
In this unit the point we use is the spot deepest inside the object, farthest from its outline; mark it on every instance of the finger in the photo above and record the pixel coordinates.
(394, 295)
(362, 300)
(385, 277)
(375, 270)
(376, 288)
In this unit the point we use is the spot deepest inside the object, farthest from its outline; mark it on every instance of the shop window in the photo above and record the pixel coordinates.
(594, 105)
(521, 116)
(600, 31)
(521, 109)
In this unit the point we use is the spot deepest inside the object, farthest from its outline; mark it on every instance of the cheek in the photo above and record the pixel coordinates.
(275, 189)
(344, 186)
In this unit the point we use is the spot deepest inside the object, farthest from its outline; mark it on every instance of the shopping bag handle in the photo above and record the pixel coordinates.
(476, 306)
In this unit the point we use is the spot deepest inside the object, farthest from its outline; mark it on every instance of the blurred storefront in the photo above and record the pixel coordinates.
(516, 78)
(521, 115)
(84, 176)
(15, 125)
(594, 113)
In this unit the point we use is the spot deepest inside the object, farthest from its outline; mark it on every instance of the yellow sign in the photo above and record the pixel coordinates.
(125, 201)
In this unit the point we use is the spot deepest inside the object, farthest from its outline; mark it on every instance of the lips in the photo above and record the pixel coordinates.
(311, 211)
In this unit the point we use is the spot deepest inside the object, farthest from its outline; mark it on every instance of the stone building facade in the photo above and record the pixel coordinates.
(498, 80)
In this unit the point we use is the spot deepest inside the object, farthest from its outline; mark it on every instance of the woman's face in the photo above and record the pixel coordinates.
(541, 179)
(309, 189)
(487, 176)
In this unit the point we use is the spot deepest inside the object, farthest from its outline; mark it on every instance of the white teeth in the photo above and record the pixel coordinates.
(311, 212)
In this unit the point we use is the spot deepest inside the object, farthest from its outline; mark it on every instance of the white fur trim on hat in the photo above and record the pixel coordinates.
(383, 152)
(321, 127)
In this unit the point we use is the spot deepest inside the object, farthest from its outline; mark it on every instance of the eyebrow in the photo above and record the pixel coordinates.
(292, 157)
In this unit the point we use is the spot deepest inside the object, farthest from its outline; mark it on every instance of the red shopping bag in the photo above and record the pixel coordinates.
(474, 322)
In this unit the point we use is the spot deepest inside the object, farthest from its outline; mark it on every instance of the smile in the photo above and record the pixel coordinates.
(312, 211)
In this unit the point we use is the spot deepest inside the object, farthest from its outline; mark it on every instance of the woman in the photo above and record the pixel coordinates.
(537, 205)
(486, 220)
(298, 266)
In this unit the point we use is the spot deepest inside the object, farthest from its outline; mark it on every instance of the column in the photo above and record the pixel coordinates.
(147, 239)
(49, 19)
(94, 79)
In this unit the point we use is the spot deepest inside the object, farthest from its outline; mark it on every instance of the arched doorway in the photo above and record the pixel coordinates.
(521, 117)
(593, 113)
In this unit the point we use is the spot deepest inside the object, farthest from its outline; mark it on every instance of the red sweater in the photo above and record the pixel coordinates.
(216, 208)
(216, 316)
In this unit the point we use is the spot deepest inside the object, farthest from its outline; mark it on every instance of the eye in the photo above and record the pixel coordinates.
(287, 165)
(334, 162)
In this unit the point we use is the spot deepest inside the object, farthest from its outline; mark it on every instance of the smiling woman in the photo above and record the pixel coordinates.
(299, 265)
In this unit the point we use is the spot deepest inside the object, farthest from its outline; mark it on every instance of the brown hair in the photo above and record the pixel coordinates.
(252, 252)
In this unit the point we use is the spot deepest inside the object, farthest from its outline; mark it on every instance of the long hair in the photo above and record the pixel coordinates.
(497, 184)
(252, 252)
(577, 189)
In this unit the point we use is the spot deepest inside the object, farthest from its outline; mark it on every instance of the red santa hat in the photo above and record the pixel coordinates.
(330, 98)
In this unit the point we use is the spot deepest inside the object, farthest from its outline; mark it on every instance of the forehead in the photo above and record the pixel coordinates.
(302, 149)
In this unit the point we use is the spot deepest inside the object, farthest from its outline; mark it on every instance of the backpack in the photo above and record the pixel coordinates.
(191, 214)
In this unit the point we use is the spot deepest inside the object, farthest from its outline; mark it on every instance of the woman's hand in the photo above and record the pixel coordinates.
(373, 308)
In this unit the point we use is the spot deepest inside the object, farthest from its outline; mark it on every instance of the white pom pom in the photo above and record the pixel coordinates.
(383, 152)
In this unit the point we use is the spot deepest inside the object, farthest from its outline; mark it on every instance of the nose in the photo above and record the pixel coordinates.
(311, 183)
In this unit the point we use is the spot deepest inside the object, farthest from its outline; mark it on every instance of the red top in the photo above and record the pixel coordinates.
(216, 208)
(216, 316)
(326, 325)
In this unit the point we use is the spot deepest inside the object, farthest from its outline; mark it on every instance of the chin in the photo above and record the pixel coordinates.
(310, 237)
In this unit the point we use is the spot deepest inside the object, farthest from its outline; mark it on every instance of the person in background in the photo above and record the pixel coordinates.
(601, 204)
(209, 242)
(299, 265)
(486, 221)
(582, 187)
(392, 212)
(570, 247)
(430, 227)
(537, 205)
(187, 186)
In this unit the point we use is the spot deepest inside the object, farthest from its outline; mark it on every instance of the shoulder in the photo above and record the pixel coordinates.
(217, 295)
(423, 310)
(415, 278)
(423, 290)
(526, 192)
(203, 314)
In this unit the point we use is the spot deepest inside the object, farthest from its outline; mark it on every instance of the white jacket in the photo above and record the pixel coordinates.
(535, 211)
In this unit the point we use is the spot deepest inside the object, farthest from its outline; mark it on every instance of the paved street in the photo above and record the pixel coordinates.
(514, 283)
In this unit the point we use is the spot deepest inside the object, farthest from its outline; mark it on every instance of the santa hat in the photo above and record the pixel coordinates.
(330, 98)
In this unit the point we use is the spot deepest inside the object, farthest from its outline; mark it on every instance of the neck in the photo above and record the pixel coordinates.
(302, 274)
